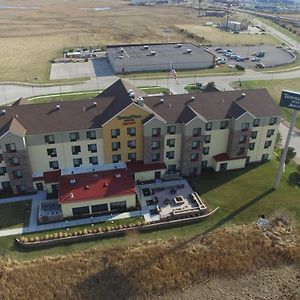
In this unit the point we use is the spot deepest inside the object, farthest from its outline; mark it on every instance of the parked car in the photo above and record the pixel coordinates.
(255, 58)
(218, 49)
(260, 66)
(229, 50)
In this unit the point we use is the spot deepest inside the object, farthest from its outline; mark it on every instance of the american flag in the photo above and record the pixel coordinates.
(173, 72)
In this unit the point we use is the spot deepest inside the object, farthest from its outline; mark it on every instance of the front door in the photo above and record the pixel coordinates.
(157, 175)
(39, 186)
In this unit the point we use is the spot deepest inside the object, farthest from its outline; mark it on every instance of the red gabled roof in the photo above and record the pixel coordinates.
(95, 185)
(51, 176)
(140, 166)
(225, 157)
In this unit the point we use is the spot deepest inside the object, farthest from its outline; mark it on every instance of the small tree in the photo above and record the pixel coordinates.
(210, 87)
(291, 153)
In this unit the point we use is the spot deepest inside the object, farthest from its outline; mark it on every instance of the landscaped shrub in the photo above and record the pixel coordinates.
(85, 231)
(36, 239)
(89, 231)
(24, 239)
(80, 232)
(31, 239)
(99, 229)
(47, 237)
(75, 233)
(51, 236)
(55, 235)
(60, 235)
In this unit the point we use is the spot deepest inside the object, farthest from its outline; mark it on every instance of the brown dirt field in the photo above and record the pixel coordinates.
(31, 38)
(240, 262)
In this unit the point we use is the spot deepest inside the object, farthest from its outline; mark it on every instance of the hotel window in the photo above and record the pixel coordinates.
(265, 157)
(273, 121)
(194, 156)
(115, 133)
(77, 162)
(196, 132)
(115, 146)
(156, 132)
(155, 145)
(171, 129)
(6, 186)
(208, 126)
(241, 151)
(193, 171)
(172, 169)
(171, 143)
(253, 134)
(17, 174)
(99, 208)
(78, 211)
(74, 136)
(49, 139)
(21, 188)
(270, 132)
(243, 139)
(91, 135)
(92, 148)
(76, 150)
(14, 161)
(267, 144)
(207, 139)
(120, 205)
(245, 126)
(52, 152)
(205, 150)
(204, 164)
(54, 165)
(223, 124)
(131, 144)
(93, 160)
(1, 158)
(256, 122)
(116, 158)
(3, 171)
(132, 156)
(131, 131)
(10, 148)
(155, 157)
(251, 146)
(170, 154)
(196, 145)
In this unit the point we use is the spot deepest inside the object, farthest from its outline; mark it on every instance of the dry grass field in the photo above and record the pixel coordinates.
(30, 38)
(147, 270)
(219, 37)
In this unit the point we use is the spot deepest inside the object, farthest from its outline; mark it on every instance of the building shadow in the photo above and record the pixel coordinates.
(209, 179)
(102, 67)
(294, 179)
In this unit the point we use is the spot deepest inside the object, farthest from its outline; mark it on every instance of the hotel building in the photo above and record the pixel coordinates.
(157, 137)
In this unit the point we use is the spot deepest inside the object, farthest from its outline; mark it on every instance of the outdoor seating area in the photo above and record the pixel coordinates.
(171, 199)
(49, 211)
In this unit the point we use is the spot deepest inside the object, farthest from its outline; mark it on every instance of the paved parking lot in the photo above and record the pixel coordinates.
(273, 57)
(95, 67)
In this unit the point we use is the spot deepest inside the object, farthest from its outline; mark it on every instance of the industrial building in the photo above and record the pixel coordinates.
(93, 151)
(158, 57)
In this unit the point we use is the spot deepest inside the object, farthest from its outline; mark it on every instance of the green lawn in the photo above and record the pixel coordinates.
(154, 90)
(64, 97)
(241, 196)
(275, 88)
(14, 215)
(191, 88)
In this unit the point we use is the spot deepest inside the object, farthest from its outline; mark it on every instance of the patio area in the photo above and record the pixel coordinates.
(170, 199)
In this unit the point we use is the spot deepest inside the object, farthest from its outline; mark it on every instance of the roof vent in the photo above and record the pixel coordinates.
(169, 105)
(105, 184)
(162, 100)
(57, 106)
(3, 111)
(16, 116)
(71, 195)
(188, 51)
(179, 45)
(121, 49)
(130, 91)
(72, 181)
(243, 95)
(193, 98)
(83, 108)
(152, 53)
(121, 56)
(87, 187)
(95, 103)
(118, 175)
(146, 47)
(140, 101)
(95, 175)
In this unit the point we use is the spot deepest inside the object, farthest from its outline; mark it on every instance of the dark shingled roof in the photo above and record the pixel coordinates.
(13, 126)
(72, 115)
(214, 105)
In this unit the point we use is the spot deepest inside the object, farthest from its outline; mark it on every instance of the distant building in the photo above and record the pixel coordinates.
(214, 13)
(158, 57)
(235, 26)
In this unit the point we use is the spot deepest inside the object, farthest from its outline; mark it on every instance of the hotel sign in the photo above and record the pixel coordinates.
(290, 100)
(129, 119)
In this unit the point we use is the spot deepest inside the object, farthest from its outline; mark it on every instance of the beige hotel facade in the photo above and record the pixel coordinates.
(169, 136)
